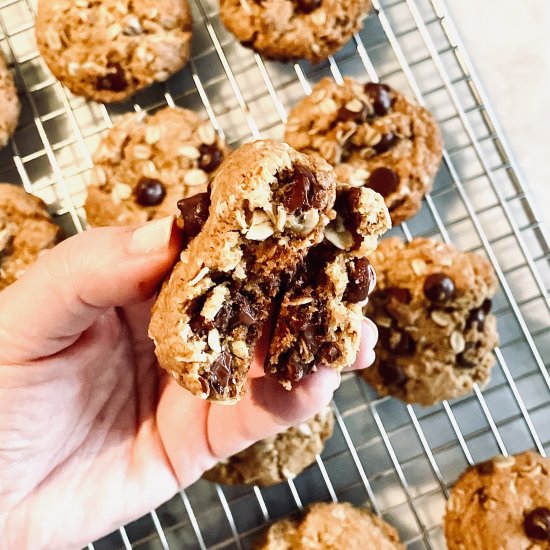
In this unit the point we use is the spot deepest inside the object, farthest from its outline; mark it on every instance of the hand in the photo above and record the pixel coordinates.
(92, 433)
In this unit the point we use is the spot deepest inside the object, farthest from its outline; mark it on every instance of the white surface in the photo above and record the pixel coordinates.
(509, 43)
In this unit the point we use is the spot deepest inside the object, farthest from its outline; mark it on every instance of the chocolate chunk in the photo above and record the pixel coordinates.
(149, 192)
(380, 97)
(346, 115)
(329, 353)
(245, 313)
(211, 157)
(383, 181)
(439, 288)
(486, 306)
(114, 80)
(317, 259)
(392, 374)
(536, 524)
(304, 192)
(464, 360)
(485, 468)
(311, 339)
(402, 295)
(346, 205)
(308, 6)
(387, 141)
(476, 318)
(360, 277)
(219, 376)
(406, 344)
(194, 213)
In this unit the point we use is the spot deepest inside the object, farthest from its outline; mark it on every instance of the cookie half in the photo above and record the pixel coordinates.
(501, 504)
(338, 526)
(374, 137)
(277, 458)
(146, 163)
(26, 229)
(245, 241)
(436, 333)
(9, 104)
(294, 29)
(107, 50)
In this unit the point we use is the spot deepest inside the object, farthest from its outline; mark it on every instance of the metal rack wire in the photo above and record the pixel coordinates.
(399, 459)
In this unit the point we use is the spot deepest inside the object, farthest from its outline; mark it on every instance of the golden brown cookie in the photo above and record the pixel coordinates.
(9, 103)
(294, 29)
(432, 308)
(26, 230)
(107, 50)
(334, 526)
(276, 458)
(501, 504)
(146, 163)
(374, 137)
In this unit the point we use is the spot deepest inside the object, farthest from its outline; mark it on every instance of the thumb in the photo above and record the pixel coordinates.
(72, 285)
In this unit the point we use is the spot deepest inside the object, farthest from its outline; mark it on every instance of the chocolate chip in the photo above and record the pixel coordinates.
(194, 213)
(405, 345)
(304, 192)
(114, 80)
(347, 206)
(307, 6)
(149, 192)
(329, 353)
(402, 295)
(311, 338)
(536, 524)
(476, 318)
(346, 115)
(392, 374)
(439, 288)
(379, 94)
(360, 277)
(387, 141)
(383, 181)
(463, 360)
(219, 376)
(485, 468)
(211, 157)
(245, 313)
(481, 496)
(486, 306)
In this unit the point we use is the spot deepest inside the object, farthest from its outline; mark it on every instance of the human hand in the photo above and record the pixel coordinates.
(92, 433)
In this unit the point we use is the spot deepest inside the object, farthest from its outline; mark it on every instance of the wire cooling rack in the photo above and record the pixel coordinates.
(398, 459)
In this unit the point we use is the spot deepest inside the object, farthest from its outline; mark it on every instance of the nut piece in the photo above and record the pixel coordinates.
(261, 227)
(214, 340)
(440, 318)
(418, 266)
(340, 239)
(457, 341)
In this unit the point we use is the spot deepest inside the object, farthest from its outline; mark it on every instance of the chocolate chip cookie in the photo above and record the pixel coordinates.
(107, 50)
(26, 229)
(9, 103)
(501, 504)
(374, 137)
(432, 308)
(334, 526)
(243, 241)
(294, 29)
(146, 163)
(277, 458)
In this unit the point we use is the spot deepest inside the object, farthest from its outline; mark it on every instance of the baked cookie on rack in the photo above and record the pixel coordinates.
(107, 50)
(146, 163)
(26, 229)
(249, 248)
(334, 526)
(373, 136)
(9, 104)
(432, 308)
(277, 458)
(294, 29)
(501, 504)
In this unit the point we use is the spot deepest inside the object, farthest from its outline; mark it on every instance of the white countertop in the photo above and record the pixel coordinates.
(509, 44)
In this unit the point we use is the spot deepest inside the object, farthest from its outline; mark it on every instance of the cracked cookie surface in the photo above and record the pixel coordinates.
(243, 242)
(26, 229)
(294, 29)
(9, 103)
(374, 137)
(107, 50)
(334, 526)
(276, 458)
(146, 163)
(432, 308)
(501, 504)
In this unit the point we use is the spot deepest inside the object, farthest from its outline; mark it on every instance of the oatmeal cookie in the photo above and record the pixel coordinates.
(146, 163)
(277, 458)
(374, 137)
(107, 50)
(26, 230)
(432, 308)
(294, 29)
(9, 103)
(501, 504)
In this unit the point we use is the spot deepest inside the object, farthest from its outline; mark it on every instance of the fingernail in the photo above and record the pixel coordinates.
(153, 237)
(370, 331)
